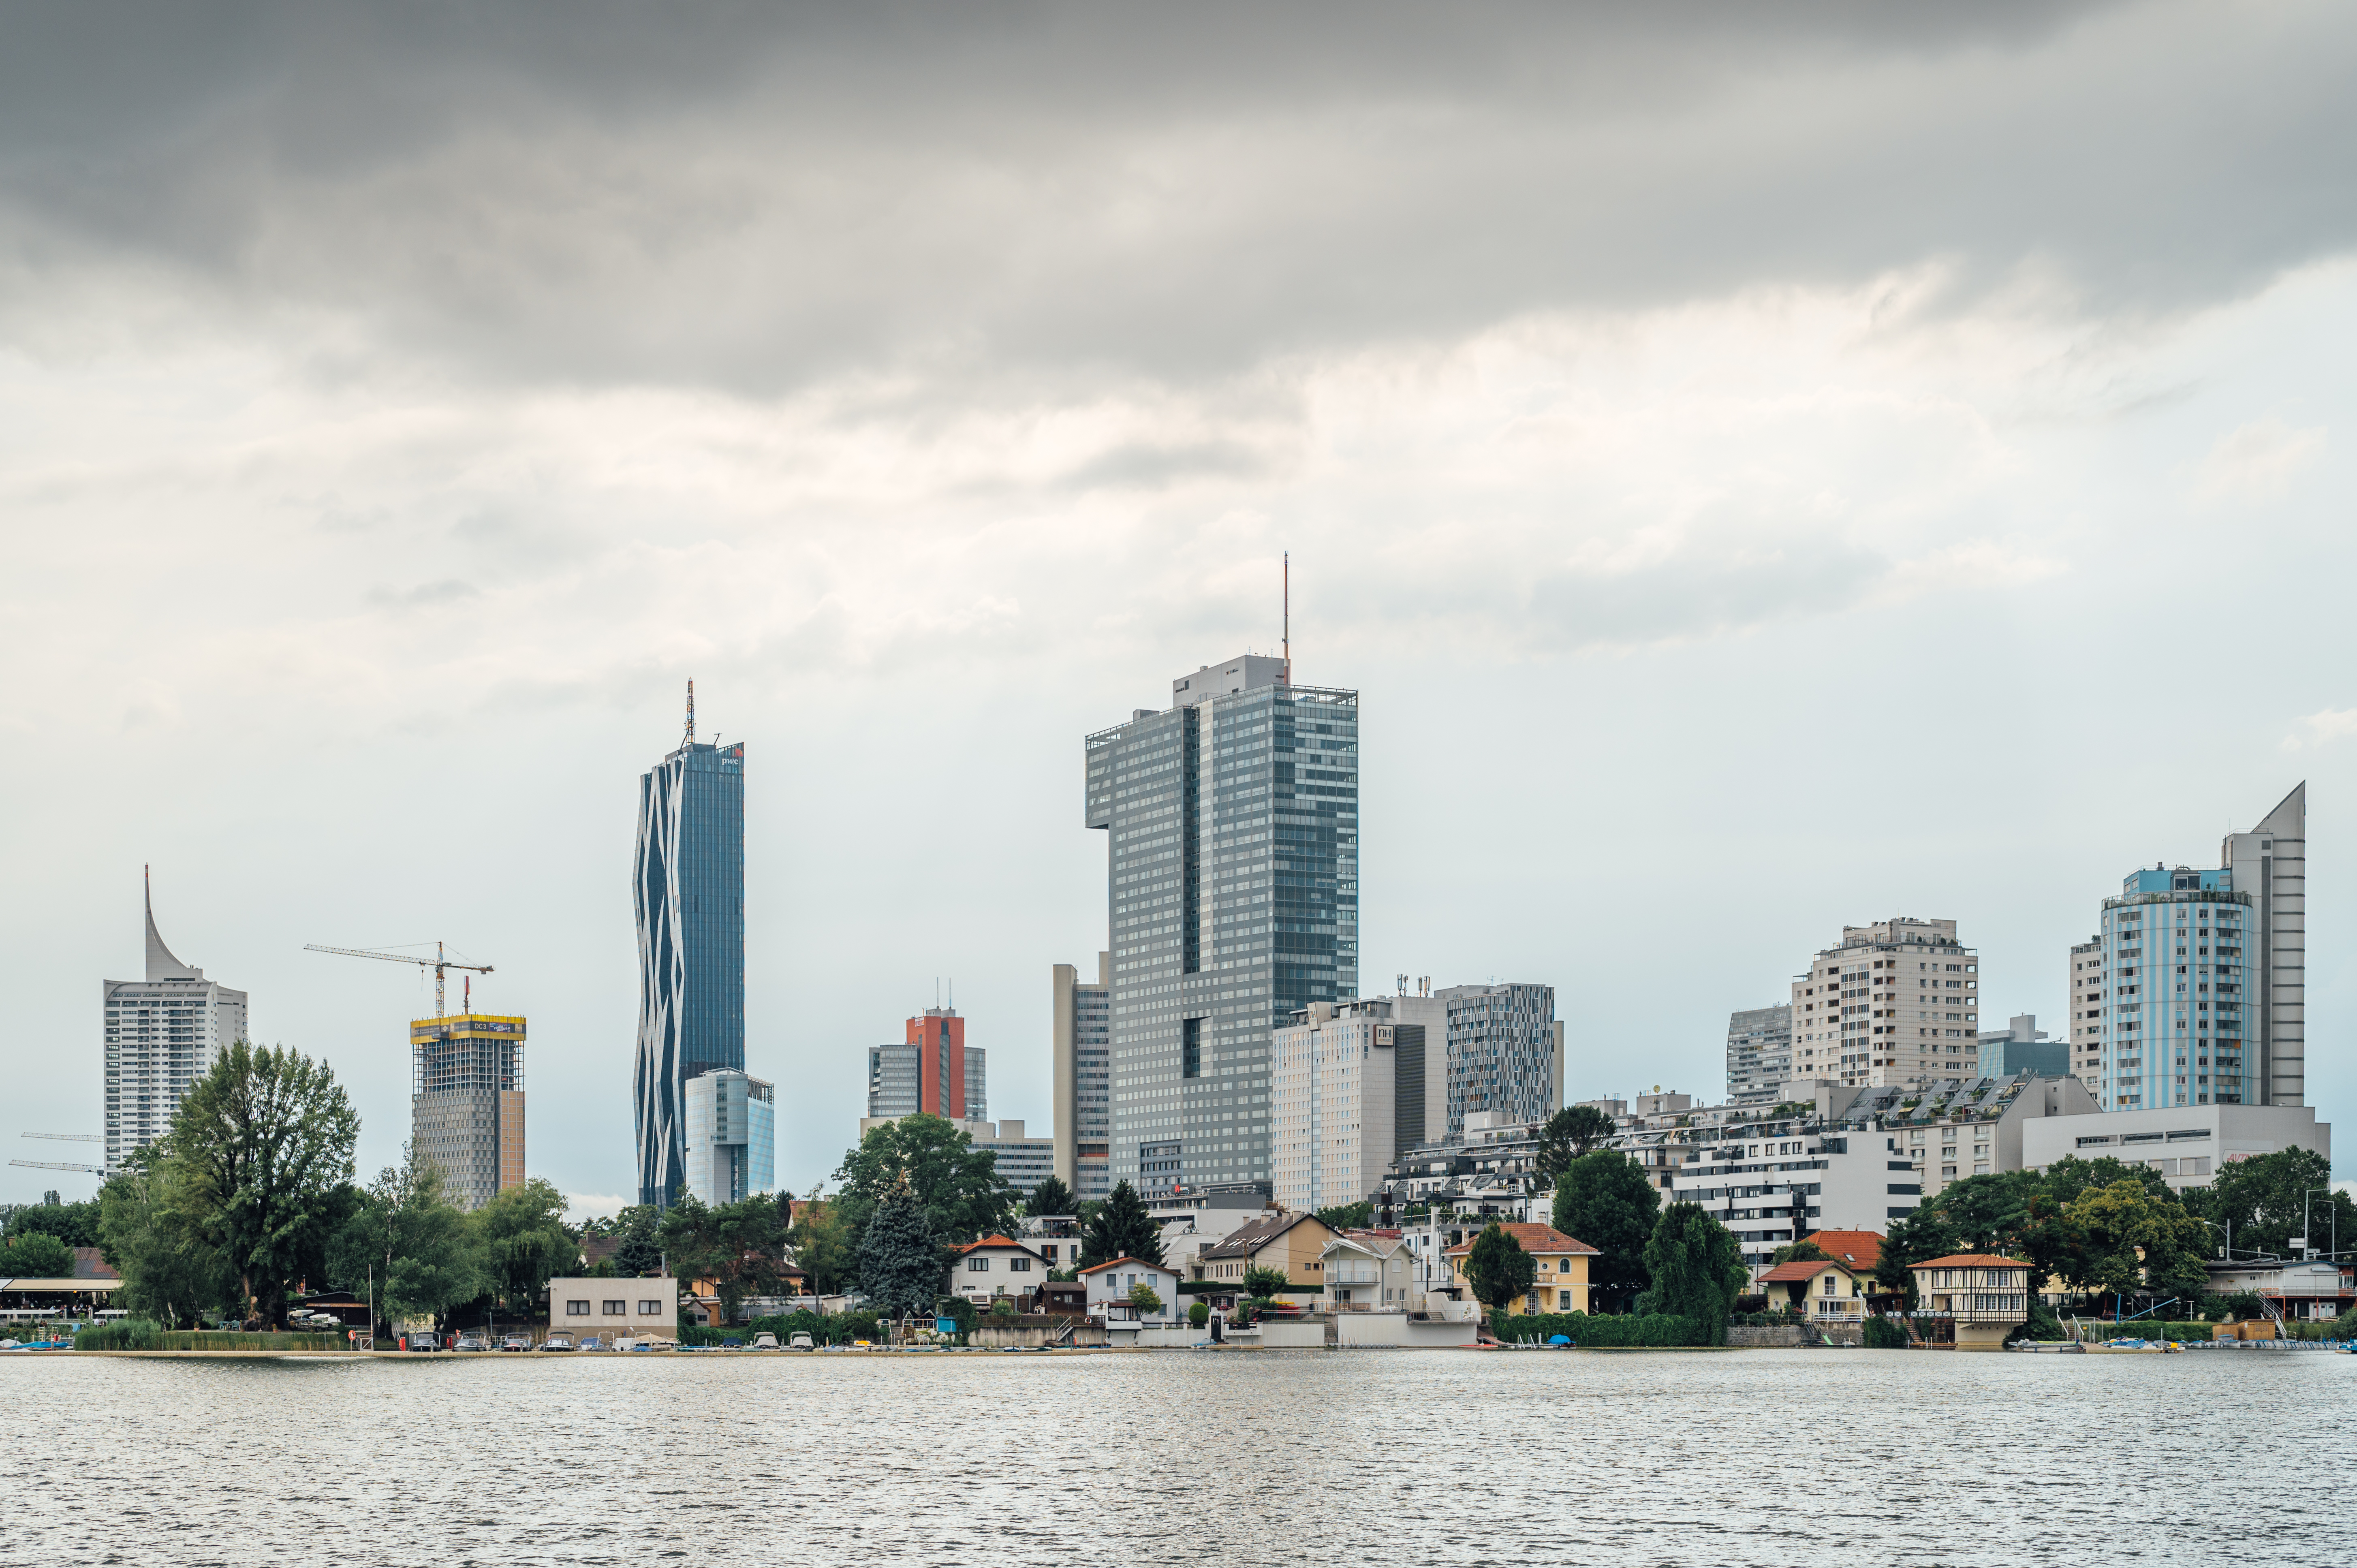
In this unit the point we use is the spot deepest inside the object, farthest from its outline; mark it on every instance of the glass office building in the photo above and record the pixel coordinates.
(732, 1136)
(689, 889)
(1233, 896)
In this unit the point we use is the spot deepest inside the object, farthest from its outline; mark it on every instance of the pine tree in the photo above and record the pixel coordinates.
(1121, 1228)
(901, 1259)
(1050, 1196)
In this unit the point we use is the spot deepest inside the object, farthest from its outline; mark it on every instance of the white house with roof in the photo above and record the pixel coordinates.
(995, 1265)
(1110, 1284)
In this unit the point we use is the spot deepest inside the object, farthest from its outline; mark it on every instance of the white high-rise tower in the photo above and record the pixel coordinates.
(163, 1033)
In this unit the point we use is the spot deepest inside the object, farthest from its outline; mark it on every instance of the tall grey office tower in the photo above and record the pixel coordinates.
(689, 889)
(1232, 886)
(2270, 862)
(163, 1033)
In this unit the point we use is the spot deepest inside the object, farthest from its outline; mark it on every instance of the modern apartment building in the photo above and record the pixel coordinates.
(1083, 1075)
(2086, 1037)
(2022, 1047)
(1759, 1054)
(163, 1033)
(1893, 1002)
(2196, 990)
(732, 1136)
(933, 1070)
(1347, 1087)
(1233, 902)
(466, 1102)
(1503, 1052)
(688, 889)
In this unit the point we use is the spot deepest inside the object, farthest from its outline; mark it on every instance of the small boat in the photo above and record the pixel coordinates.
(2135, 1348)
(2048, 1346)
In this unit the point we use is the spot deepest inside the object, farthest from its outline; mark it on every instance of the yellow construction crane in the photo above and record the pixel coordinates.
(438, 963)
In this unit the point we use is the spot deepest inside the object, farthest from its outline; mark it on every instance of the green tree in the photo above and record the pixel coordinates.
(1144, 1300)
(1571, 1133)
(1497, 1267)
(739, 1247)
(1799, 1252)
(1911, 1238)
(1121, 1228)
(637, 1253)
(2069, 1176)
(408, 1242)
(261, 1150)
(963, 1195)
(1990, 1213)
(1697, 1270)
(1050, 1196)
(1348, 1216)
(823, 1249)
(2138, 1241)
(75, 1224)
(522, 1242)
(1263, 1283)
(169, 1272)
(1606, 1200)
(2268, 1199)
(35, 1254)
(902, 1257)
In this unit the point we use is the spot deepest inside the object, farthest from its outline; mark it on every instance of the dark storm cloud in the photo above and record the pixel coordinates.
(758, 197)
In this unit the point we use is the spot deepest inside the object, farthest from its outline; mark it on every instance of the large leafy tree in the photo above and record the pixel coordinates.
(75, 1224)
(821, 1241)
(1497, 1267)
(902, 1257)
(2069, 1176)
(1697, 1270)
(963, 1195)
(262, 1155)
(408, 1243)
(1990, 1213)
(35, 1254)
(1606, 1200)
(170, 1274)
(739, 1247)
(521, 1239)
(2268, 1199)
(1570, 1134)
(1051, 1197)
(1909, 1240)
(2137, 1241)
(1121, 1228)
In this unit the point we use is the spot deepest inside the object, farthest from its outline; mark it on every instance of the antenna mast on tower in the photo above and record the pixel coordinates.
(691, 714)
(1288, 617)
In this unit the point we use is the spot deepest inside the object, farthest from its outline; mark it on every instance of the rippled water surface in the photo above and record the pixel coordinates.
(1272, 1457)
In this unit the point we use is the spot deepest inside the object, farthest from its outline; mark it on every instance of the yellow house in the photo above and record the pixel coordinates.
(1561, 1282)
(1827, 1290)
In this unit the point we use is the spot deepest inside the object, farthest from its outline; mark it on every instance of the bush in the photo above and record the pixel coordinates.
(1198, 1315)
(1885, 1334)
(1658, 1330)
(123, 1333)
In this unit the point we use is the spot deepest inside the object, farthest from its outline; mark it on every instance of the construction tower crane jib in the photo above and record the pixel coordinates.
(439, 963)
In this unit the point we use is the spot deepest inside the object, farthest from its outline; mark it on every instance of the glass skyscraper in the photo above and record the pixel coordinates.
(689, 889)
(1233, 894)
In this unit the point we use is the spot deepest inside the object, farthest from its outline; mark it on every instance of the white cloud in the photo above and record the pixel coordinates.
(2322, 728)
(581, 1206)
(2258, 461)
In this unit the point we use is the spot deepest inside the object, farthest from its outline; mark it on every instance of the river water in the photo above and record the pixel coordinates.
(1288, 1458)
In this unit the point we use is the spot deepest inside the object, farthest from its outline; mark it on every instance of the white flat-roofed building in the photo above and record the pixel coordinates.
(1347, 1089)
(2186, 1144)
(628, 1308)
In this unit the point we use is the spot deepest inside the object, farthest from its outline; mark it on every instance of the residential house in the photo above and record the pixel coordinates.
(1055, 1237)
(1369, 1271)
(1970, 1301)
(1288, 1240)
(582, 1306)
(1109, 1285)
(1826, 1290)
(993, 1266)
(1560, 1283)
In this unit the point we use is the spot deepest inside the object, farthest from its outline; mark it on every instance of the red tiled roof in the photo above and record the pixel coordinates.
(1861, 1250)
(1970, 1261)
(1533, 1239)
(1802, 1269)
(994, 1242)
(1140, 1263)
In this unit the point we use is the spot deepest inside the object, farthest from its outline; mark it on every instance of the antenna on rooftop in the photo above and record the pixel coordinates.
(691, 714)
(1288, 617)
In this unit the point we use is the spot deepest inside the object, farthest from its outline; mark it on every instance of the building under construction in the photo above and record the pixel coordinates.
(466, 1100)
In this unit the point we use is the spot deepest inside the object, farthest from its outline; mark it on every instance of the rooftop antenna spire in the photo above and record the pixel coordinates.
(1288, 617)
(691, 714)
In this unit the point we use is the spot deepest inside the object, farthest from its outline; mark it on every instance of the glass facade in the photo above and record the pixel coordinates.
(732, 1136)
(689, 890)
(1232, 893)
(1092, 1092)
(2181, 957)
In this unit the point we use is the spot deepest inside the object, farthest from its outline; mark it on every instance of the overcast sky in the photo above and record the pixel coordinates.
(1766, 469)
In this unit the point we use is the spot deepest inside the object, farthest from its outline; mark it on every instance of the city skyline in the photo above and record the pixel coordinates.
(1730, 454)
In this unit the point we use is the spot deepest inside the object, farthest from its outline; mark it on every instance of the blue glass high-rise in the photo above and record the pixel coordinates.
(689, 889)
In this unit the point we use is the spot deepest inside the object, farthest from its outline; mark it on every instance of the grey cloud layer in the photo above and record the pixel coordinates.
(763, 202)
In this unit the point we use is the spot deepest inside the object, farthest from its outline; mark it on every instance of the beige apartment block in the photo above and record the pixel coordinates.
(2087, 1013)
(1894, 1003)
